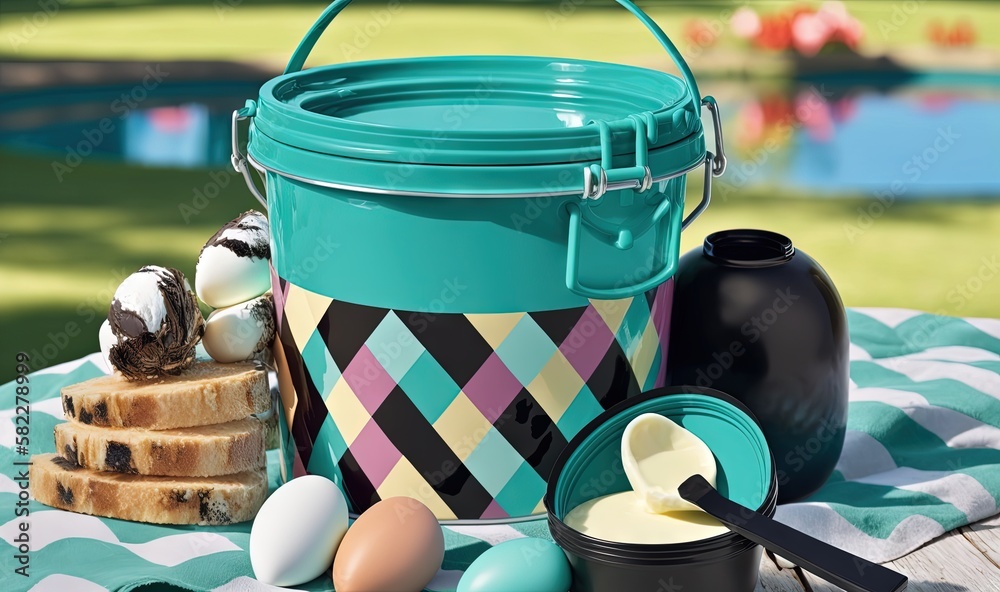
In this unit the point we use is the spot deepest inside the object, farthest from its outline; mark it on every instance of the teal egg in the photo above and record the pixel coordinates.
(528, 564)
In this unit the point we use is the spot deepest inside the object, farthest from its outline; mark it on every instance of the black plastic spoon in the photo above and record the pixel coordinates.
(834, 565)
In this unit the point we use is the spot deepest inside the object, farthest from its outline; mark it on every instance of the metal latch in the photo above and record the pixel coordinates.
(599, 179)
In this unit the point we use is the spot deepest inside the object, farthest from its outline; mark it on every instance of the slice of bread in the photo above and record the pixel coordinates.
(61, 483)
(205, 394)
(203, 451)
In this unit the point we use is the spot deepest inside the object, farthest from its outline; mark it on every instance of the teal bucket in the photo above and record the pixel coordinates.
(470, 260)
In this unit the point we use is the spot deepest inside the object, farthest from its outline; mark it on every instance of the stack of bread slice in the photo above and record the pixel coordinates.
(181, 449)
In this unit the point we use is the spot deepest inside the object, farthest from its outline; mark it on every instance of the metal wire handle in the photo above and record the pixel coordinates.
(238, 159)
(301, 53)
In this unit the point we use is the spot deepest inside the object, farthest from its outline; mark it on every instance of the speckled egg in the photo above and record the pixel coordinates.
(155, 324)
(520, 564)
(240, 332)
(395, 546)
(233, 264)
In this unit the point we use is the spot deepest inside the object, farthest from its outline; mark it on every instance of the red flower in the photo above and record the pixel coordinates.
(964, 33)
(699, 33)
(775, 32)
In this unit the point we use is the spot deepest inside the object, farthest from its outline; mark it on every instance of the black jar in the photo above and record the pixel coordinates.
(591, 466)
(756, 318)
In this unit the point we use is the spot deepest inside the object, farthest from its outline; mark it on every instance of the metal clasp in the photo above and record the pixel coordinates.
(599, 179)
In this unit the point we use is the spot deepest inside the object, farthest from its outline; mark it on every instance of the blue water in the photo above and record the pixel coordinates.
(183, 125)
(954, 149)
(912, 140)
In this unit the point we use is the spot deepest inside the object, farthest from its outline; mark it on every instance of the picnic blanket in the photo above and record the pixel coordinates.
(922, 457)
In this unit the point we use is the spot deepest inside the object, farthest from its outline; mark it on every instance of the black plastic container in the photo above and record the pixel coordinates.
(760, 320)
(587, 469)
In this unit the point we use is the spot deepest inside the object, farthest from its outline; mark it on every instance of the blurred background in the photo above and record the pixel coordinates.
(868, 131)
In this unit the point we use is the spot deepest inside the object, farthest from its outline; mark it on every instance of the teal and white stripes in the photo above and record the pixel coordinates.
(922, 457)
(922, 454)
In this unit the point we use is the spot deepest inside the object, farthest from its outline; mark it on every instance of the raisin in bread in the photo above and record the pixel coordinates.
(203, 451)
(205, 394)
(61, 483)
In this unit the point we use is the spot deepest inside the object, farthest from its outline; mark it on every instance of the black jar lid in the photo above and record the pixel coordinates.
(748, 248)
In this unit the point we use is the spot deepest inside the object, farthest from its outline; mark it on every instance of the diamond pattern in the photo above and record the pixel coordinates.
(558, 323)
(531, 432)
(401, 482)
(321, 366)
(360, 490)
(526, 350)
(436, 462)
(368, 379)
(633, 325)
(494, 462)
(579, 413)
(394, 346)
(522, 494)
(612, 311)
(494, 327)
(646, 349)
(587, 342)
(375, 453)
(453, 341)
(462, 426)
(429, 386)
(345, 327)
(492, 388)
(329, 447)
(466, 412)
(494, 512)
(347, 411)
(308, 417)
(302, 324)
(613, 381)
(556, 385)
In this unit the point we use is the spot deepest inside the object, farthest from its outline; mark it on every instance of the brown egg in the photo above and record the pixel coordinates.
(395, 546)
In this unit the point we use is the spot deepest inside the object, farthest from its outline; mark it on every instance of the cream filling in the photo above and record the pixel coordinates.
(657, 455)
(623, 518)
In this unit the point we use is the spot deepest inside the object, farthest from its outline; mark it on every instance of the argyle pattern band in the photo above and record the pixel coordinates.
(465, 412)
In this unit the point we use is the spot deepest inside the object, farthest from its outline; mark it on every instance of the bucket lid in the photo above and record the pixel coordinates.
(480, 126)
(500, 118)
(478, 110)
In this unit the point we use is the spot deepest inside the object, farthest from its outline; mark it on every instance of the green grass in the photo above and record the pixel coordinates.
(266, 32)
(67, 245)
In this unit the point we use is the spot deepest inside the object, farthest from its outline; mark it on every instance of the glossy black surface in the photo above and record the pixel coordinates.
(760, 320)
(850, 572)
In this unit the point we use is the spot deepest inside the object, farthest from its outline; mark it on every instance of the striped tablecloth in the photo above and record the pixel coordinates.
(922, 457)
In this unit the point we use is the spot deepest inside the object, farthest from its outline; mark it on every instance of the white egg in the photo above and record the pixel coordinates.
(297, 531)
(106, 337)
(240, 332)
(233, 264)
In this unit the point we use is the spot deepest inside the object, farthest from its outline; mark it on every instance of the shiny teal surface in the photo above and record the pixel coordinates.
(745, 467)
(456, 184)
(472, 110)
(484, 180)
(526, 563)
(448, 255)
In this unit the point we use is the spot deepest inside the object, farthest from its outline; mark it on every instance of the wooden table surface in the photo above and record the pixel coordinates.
(967, 559)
